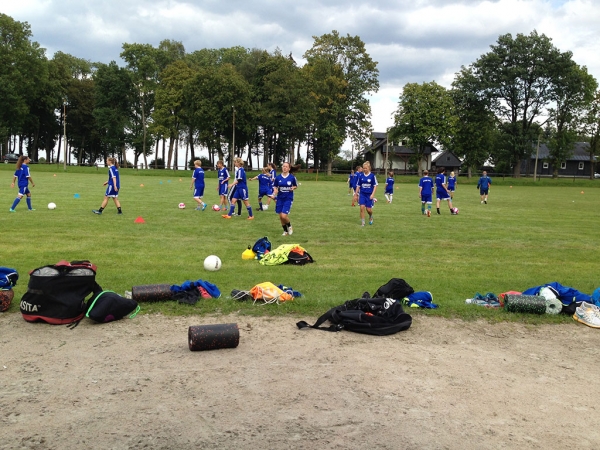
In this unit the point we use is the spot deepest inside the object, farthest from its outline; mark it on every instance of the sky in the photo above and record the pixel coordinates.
(413, 41)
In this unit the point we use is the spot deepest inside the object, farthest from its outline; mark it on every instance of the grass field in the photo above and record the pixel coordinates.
(527, 235)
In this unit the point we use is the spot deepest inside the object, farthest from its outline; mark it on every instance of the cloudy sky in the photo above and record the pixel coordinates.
(412, 40)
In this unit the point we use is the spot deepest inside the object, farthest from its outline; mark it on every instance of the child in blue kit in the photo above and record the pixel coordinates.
(223, 186)
(452, 184)
(389, 187)
(285, 184)
(265, 187)
(113, 185)
(240, 190)
(198, 185)
(366, 185)
(426, 192)
(22, 177)
(441, 190)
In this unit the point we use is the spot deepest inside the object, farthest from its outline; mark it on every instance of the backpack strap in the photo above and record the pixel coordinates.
(334, 327)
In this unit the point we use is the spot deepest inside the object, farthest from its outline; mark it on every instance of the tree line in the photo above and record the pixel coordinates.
(523, 91)
(234, 101)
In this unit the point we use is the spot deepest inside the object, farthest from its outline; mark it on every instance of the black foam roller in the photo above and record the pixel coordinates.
(213, 337)
(531, 304)
(151, 293)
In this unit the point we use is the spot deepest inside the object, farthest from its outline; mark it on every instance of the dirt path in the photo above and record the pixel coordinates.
(441, 384)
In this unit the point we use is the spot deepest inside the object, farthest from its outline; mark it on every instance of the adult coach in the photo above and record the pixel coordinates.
(484, 187)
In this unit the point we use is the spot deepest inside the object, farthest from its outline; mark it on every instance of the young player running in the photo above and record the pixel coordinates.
(241, 190)
(357, 173)
(426, 192)
(366, 185)
(114, 184)
(22, 177)
(389, 187)
(222, 187)
(265, 188)
(198, 185)
(285, 184)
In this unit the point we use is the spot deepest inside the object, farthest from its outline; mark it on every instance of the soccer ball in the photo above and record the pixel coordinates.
(455, 210)
(182, 206)
(216, 208)
(265, 207)
(212, 263)
(51, 205)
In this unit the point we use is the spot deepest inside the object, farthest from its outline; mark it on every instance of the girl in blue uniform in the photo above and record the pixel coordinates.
(223, 186)
(285, 184)
(265, 187)
(198, 185)
(441, 190)
(451, 184)
(22, 177)
(426, 192)
(366, 185)
(241, 190)
(114, 184)
(389, 187)
(357, 172)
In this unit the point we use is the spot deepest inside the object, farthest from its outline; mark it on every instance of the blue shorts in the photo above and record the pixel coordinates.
(364, 199)
(198, 192)
(442, 195)
(268, 193)
(389, 190)
(24, 190)
(223, 188)
(110, 191)
(284, 206)
(241, 193)
(483, 191)
(426, 198)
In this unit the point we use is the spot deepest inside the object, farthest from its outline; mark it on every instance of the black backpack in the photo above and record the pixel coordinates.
(107, 306)
(395, 288)
(298, 258)
(376, 316)
(56, 293)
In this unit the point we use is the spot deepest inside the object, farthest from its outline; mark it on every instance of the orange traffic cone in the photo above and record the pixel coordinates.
(139, 220)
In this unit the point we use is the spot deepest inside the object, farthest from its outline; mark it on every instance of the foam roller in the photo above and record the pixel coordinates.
(151, 293)
(530, 304)
(213, 337)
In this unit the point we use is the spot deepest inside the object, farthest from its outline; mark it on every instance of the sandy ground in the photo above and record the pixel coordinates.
(441, 384)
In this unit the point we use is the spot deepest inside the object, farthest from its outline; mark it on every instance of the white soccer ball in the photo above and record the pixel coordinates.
(216, 208)
(182, 206)
(265, 207)
(51, 205)
(455, 210)
(212, 263)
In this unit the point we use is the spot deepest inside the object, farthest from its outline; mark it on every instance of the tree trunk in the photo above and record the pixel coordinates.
(176, 160)
(124, 153)
(192, 151)
(517, 171)
(164, 158)
(329, 165)
(187, 148)
(168, 163)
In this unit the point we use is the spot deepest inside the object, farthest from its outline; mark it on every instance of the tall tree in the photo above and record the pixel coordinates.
(591, 128)
(425, 116)
(344, 107)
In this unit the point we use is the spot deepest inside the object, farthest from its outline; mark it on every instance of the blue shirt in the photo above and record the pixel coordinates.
(284, 187)
(223, 175)
(113, 172)
(451, 183)
(440, 180)
(240, 176)
(426, 185)
(352, 180)
(366, 183)
(273, 173)
(22, 175)
(264, 182)
(198, 177)
(389, 184)
(484, 182)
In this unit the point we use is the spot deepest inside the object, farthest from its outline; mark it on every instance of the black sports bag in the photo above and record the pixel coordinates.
(376, 316)
(395, 288)
(107, 306)
(56, 293)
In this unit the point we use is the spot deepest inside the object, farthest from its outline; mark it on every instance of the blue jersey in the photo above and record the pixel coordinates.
(366, 183)
(22, 175)
(198, 177)
(264, 183)
(389, 185)
(451, 183)
(484, 182)
(240, 176)
(223, 175)
(284, 187)
(352, 180)
(440, 181)
(113, 172)
(426, 185)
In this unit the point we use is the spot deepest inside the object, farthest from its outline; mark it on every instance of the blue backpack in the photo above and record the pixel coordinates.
(261, 246)
(8, 277)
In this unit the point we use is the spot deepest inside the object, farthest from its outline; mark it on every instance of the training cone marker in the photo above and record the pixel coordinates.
(142, 185)
(511, 187)
(160, 182)
(139, 220)
(582, 192)
(75, 195)
(180, 179)
(54, 174)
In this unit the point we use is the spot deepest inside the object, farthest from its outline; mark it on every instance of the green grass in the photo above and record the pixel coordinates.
(527, 235)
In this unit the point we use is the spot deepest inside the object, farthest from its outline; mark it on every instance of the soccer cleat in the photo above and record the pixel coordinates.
(204, 207)
(285, 233)
(95, 211)
(371, 221)
(587, 316)
(198, 208)
(290, 231)
(428, 213)
(362, 223)
(250, 218)
(119, 213)
(485, 201)
(226, 216)
(12, 210)
(591, 308)
(31, 209)
(482, 202)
